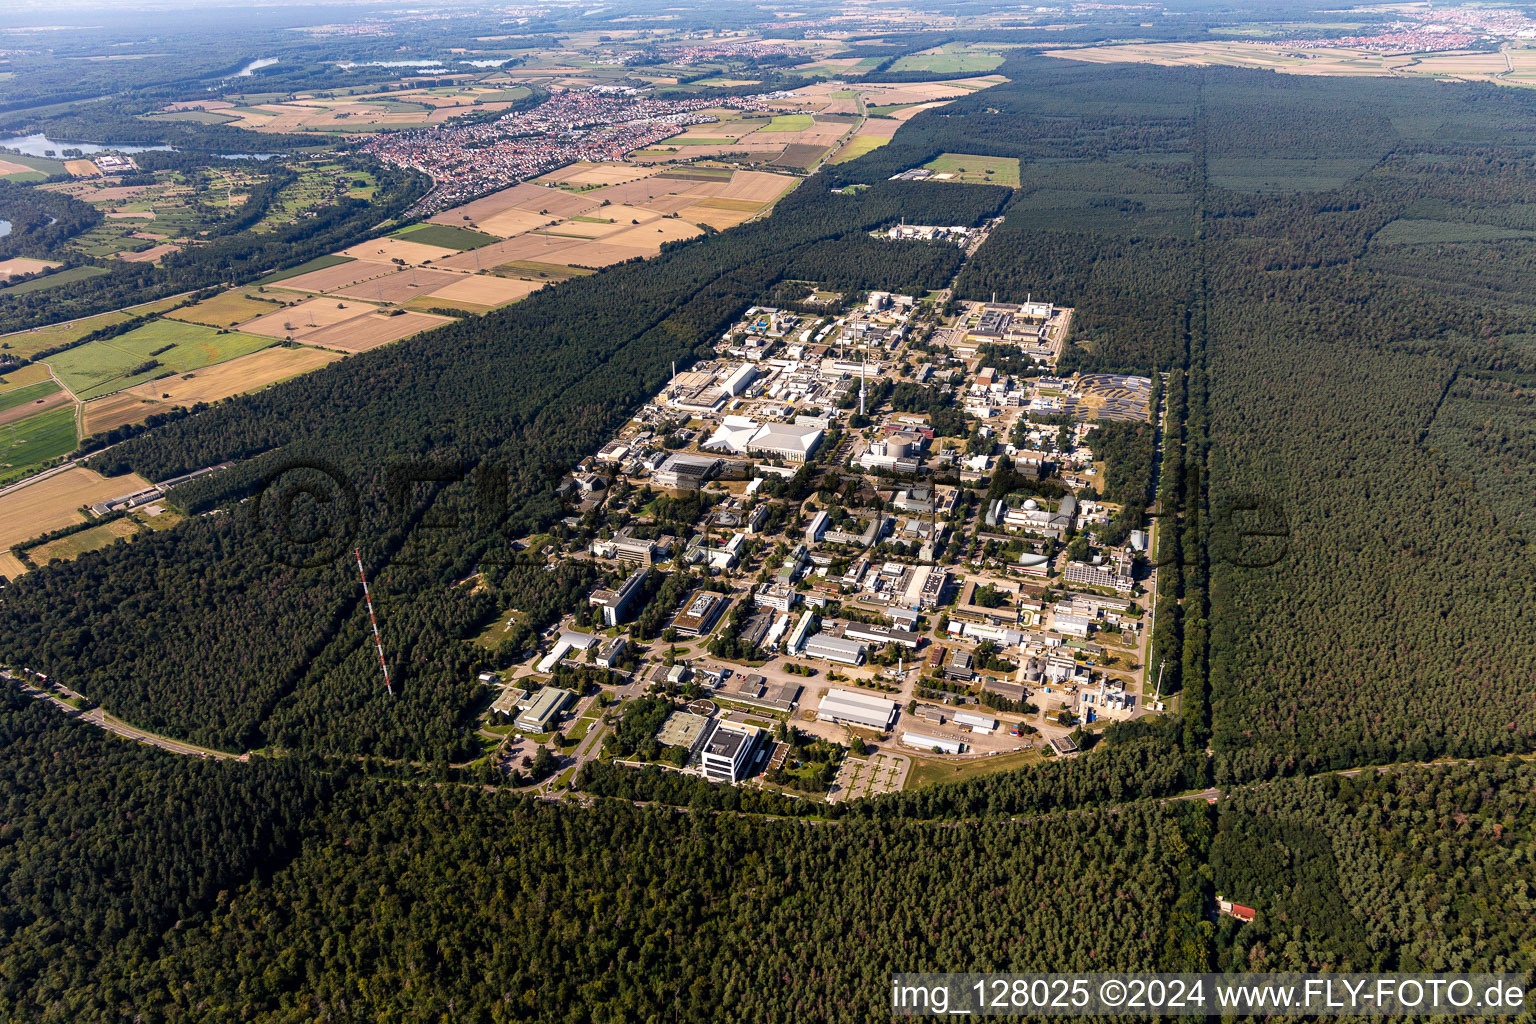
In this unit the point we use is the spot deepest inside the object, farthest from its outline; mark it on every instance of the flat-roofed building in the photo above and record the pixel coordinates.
(779, 597)
(833, 648)
(874, 634)
(851, 708)
(684, 472)
(729, 752)
(939, 743)
(978, 723)
(1112, 577)
(546, 706)
(510, 700)
(699, 613)
(616, 604)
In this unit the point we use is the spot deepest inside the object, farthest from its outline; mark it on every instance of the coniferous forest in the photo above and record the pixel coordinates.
(1350, 367)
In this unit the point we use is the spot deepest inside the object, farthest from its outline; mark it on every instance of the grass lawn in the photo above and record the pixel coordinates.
(29, 442)
(887, 109)
(977, 170)
(931, 772)
(101, 367)
(788, 123)
(445, 235)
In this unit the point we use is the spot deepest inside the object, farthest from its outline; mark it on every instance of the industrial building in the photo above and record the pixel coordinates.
(545, 708)
(976, 723)
(938, 743)
(786, 441)
(851, 708)
(833, 648)
(1112, 577)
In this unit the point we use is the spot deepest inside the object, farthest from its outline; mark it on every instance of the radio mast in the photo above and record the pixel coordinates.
(377, 642)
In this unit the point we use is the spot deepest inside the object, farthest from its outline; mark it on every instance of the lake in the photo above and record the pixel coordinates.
(5, 228)
(254, 66)
(41, 146)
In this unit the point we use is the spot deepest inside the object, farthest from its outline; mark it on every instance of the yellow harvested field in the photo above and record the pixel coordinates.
(119, 410)
(610, 220)
(20, 378)
(16, 266)
(224, 310)
(715, 218)
(11, 566)
(369, 332)
(235, 377)
(342, 275)
(7, 167)
(1501, 67)
(513, 222)
(543, 248)
(652, 235)
(482, 290)
(401, 286)
(759, 186)
(305, 318)
(386, 250)
(597, 174)
(51, 503)
(154, 254)
(603, 254)
(526, 196)
(82, 168)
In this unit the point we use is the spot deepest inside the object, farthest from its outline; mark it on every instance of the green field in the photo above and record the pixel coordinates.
(42, 167)
(977, 170)
(533, 270)
(194, 116)
(27, 443)
(101, 367)
(788, 123)
(930, 772)
(858, 146)
(76, 544)
(227, 309)
(22, 396)
(37, 284)
(446, 236)
(949, 63)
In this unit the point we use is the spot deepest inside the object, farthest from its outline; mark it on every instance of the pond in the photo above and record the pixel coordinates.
(5, 228)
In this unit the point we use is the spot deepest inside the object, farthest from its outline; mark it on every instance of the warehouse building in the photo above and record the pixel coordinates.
(938, 743)
(834, 648)
(976, 723)
(850, 708)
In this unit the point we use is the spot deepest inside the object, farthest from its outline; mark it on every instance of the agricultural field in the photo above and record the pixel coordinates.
(24, 344)
(76, 544)
(47, 281)
(362, 334)
(101, 367)
(54, 502)
(445, 236)
(950, 59)
(977, 170)
(227, 309)
(294, 322)
(224, 380)
(20, 266)
(32, 440)
(788, 123)
(20, 402)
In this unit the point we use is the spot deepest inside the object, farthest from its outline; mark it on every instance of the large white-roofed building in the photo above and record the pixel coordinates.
(851, 708)
(786, 441)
